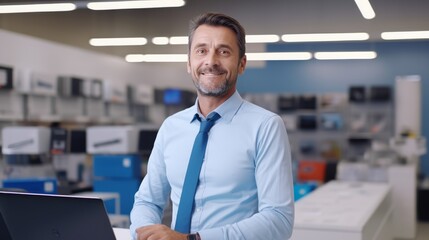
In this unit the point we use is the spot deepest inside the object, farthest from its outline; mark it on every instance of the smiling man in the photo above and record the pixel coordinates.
(239, 184)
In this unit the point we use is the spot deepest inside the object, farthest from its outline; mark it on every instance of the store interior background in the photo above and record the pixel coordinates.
(57, 44)
(75, 28)
(319, 77)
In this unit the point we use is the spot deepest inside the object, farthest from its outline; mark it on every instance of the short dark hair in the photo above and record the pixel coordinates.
(218, 19)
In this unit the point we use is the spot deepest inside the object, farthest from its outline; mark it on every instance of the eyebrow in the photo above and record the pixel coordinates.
(225, 46)
(219, 46)
(199, 45)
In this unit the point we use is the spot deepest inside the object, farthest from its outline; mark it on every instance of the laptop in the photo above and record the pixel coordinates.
(26, 216)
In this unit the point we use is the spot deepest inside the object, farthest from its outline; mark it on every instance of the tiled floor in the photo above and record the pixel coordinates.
(422, 231)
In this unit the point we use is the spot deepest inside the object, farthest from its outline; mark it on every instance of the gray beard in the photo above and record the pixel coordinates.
(220, 91)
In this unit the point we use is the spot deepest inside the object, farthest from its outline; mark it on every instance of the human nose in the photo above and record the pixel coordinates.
(211, 58)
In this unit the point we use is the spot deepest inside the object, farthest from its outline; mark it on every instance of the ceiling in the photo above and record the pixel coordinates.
(257, 16)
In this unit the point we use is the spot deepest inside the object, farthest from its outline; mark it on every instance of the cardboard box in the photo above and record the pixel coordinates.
(112, 139)
(26, 140)
(125, 187)
(117, 166)
(33, 185)
(311, 170)
(300, 190)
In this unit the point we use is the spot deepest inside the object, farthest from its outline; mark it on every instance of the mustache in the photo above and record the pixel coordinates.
(212, 70)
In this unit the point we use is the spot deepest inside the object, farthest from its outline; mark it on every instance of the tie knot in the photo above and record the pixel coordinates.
(206, 125)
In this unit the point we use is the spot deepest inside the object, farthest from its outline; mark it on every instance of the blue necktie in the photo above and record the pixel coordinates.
(186, 204)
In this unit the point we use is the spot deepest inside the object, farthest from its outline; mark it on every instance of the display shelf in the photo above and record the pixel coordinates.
(332, 126)
(11, 106)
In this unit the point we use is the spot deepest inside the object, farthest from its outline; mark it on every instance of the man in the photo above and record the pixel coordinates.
(244, 186)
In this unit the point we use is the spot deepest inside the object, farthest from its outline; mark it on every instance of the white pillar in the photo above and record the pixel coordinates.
(408, 105)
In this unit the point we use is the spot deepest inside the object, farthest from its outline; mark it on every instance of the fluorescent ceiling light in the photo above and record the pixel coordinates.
(345, 55)
(160, 40)
(183, 40)
(267, 56)
(365, 9)
(405, 35)
(278, 56)
(273, 56)
(45, 7)
(325, 37)
(115, 5)
(156, 58)
(179, 40)
(268, 38)
(117, 41)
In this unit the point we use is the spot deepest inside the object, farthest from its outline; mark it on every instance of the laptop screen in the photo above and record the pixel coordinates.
(53, 217)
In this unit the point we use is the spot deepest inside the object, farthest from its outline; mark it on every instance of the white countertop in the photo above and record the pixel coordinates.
(122, 233)
(340, 205)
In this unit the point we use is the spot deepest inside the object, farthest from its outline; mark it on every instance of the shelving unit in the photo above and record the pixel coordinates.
(332, 127)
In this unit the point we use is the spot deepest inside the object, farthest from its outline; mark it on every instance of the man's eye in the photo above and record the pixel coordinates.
(201, 51)
(224, 52)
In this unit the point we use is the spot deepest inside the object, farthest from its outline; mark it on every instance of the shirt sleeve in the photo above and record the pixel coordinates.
(273, 174)
(152, 195)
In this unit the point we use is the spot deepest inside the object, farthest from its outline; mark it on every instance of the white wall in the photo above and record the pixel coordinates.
(26, 53)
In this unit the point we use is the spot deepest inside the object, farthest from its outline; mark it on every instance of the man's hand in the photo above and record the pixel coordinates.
(159, 232)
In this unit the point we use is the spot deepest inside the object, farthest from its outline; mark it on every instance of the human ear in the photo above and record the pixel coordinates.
(242, 64)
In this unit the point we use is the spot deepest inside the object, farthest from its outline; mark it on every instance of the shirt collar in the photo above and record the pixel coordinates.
(226, 110)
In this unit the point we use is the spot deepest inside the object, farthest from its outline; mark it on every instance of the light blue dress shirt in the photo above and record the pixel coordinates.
(245, 187)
